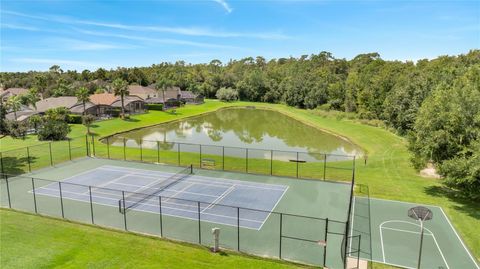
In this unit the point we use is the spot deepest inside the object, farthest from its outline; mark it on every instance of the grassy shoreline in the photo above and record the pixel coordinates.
(388, 173)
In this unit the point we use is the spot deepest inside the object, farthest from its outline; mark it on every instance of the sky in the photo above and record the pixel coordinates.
(89, 34)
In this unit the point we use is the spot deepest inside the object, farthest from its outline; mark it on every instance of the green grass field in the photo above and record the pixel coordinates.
(30, 241)
(388, 173)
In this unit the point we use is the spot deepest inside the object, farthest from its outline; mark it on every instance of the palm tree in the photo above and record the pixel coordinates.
(83, 96)
(87, 121)
(120, 88)
(161, 85)
(32, 97)
(14, 102)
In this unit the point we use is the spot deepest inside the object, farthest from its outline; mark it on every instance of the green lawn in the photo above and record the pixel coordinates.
(388, 173)
(29, 241)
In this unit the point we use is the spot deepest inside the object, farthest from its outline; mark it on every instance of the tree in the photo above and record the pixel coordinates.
(162, 84)
(14, 103)
(16, 129)
(83, 96)
(87, 120)
(35, 121)
(227, 94)
(120, 88)
(33, 97)
(55, 126)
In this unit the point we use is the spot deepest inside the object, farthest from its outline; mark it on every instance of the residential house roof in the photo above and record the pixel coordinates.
(140, 90)
(126, 100)
(70, 102)
(103, 98)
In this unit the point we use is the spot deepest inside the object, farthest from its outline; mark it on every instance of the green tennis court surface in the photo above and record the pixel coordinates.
(307, 224)
(389, 236)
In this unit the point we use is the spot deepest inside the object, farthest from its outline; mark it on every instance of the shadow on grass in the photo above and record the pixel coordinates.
(468, 206)
(131, 120)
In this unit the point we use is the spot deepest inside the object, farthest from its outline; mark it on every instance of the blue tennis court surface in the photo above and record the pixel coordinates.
(217, 198)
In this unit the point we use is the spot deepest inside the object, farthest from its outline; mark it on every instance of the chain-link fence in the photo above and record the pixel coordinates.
(307, 165)
(27, 159)
(285, 236)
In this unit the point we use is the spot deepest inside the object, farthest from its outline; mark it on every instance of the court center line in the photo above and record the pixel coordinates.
(219, 198)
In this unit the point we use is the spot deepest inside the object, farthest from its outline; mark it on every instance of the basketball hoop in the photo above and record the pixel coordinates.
(422, 214)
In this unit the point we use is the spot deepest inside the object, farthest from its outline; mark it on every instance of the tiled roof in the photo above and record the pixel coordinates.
(103, 98)
(139, 90)
(54, 102)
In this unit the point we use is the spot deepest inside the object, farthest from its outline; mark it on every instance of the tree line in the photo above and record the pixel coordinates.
(434, 103)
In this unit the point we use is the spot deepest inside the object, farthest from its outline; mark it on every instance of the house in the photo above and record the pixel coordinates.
(21, 115)
(143, 92)
(69, 102)
(174, 94)
(133, 104)
(5, 94)
(109, 104)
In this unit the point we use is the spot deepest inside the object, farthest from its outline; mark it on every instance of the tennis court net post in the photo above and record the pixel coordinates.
(137, 198)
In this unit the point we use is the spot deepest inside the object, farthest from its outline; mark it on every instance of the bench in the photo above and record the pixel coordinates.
(208, 163)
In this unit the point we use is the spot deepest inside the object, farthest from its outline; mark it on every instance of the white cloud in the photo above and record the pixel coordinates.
(18, 27)
(225, 5)
(168, 41)
(188, 31)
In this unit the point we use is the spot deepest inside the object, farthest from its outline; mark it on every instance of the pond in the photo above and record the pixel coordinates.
(242, 127)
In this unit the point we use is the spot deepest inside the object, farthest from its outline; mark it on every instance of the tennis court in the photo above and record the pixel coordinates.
(179, 195)
(293, 219)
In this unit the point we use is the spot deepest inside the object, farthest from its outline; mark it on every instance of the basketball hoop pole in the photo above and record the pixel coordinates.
(421, 214)
(421, 243)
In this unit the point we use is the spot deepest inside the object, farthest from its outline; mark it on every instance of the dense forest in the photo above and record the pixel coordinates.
(434, 103)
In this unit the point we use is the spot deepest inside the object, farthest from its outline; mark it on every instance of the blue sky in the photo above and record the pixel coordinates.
(89, 34)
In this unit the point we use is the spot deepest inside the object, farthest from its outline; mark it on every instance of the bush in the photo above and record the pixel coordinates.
(53, 130)
(158, 107)
(74, 119)
(16, 129)
(227, 94)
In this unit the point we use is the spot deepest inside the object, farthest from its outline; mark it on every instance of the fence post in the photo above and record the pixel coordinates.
(238, 228)
(124, 146)
(324, 166)
(124, 211)
(297, 164)
(61, 198)
(108, 148)
(246, 160)
(325, 246)
(69, 149)
(8, 192)
(358, 250)
(158, 151)
(28, 160)
(178, 153)
(91, 203)
(93, 144)
(161, 218)
(86, 145)
(271, 162)
(280, 243)
(34, 196)
(199, 225)
(223, 158)
(141, 151)
(50, 149)
(200, 160)
(1, 163)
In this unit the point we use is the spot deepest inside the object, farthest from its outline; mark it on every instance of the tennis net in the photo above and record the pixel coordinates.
(134, 199)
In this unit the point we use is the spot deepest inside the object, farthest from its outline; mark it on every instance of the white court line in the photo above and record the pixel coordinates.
(273, 208)
(173, 208)
(461, 241)
(206, 179)
(446, 217)
(175, 195)
(219, 198)
(172, 190)
(407, 231)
